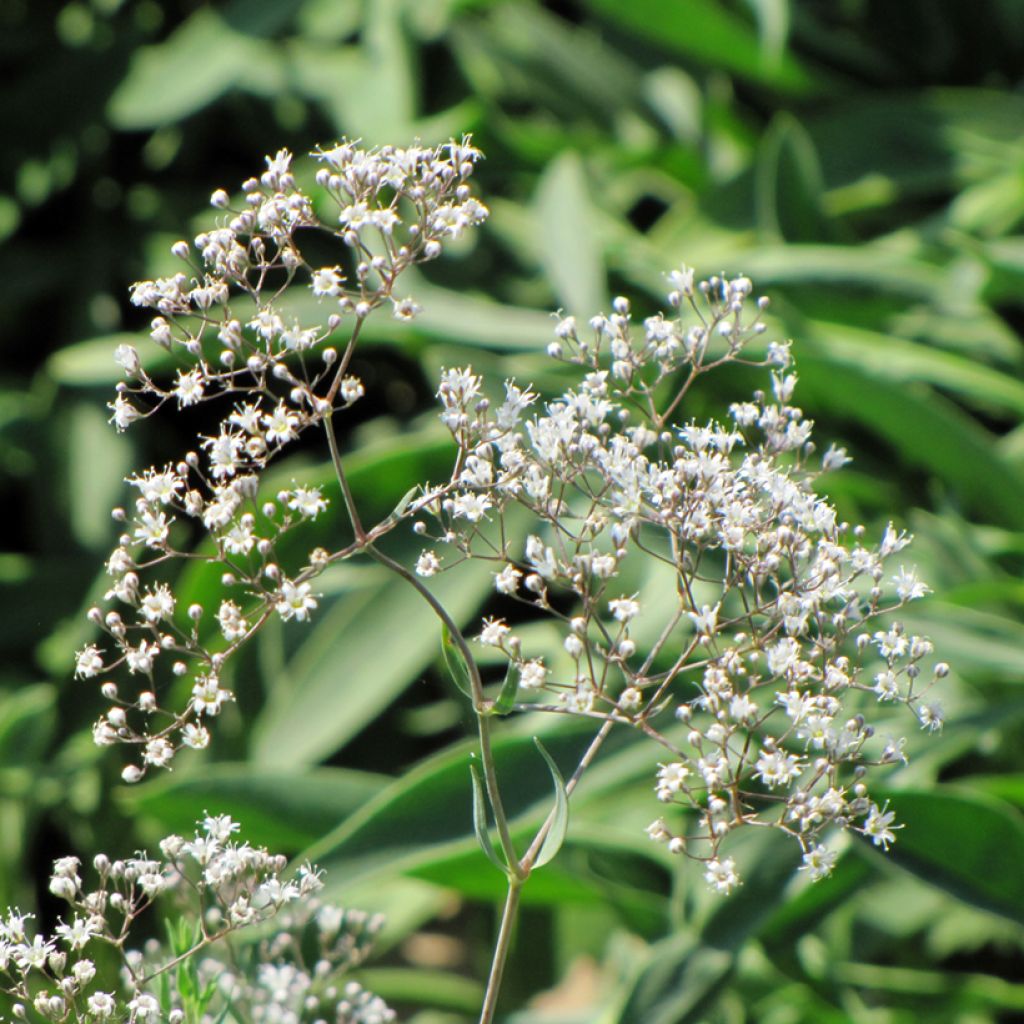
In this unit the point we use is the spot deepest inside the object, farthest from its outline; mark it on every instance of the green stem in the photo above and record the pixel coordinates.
(501, 949)
(483, 720)
(339, 472)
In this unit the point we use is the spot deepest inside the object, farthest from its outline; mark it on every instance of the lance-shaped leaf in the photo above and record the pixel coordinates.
(455, 662)
(560, 824)
(480, 819)
(506, 699)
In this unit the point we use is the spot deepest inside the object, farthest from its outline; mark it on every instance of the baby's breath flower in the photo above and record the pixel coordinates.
(721, 875)
(428, 564)
(295, 600)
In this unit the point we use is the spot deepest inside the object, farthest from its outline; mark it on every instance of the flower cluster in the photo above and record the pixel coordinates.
(225, 321)
(761, 676)
(224, 887)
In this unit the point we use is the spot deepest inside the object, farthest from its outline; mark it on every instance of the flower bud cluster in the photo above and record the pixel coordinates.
(225, 322)
(222, 886)
(763, 680)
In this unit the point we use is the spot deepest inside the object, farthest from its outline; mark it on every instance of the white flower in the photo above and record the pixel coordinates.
(144, 1007)
(151, 528)
(352, 389)
(159, 752)
(189, 388)
(89, 662)
(163, 487)
(208, 697)
(624, 608)
(101, 1005)
(886, 686)
(705, 622)
(220, 826)
(721, 875)
(247, 417)
(777, 768)
(405, 309)
(307, 501)
(931, 715)
(294, 600)
(327, 281)
(225, 451)
(428, 564)
(532, 674)
(239, 540)
(78, 933)
(908, 586)
(282, 425)
(124, 412)
(507, 581)
(878, 826)
(140, 659)
(671, 779)
(818, 862)
(157, 604)
(127, 357)
(494, 632)
(470, 506)
(195, 736)
(540, 557)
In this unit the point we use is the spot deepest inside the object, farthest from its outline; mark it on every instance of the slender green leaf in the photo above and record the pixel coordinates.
(456, 664)
(480, 819)
(506, 698)
(560, 823)
(277, 808)
(788, 183)
(200, 61)
(568, 241)
(711, 33)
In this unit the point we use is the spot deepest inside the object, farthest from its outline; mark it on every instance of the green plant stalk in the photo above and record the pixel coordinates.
(502, 947)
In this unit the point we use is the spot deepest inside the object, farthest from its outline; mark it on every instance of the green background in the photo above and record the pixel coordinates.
(862, 161)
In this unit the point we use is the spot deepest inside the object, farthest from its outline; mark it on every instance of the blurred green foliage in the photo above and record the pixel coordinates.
(862, 162)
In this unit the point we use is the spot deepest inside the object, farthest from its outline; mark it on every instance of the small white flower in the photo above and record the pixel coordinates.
(931, 715)
(352, 389)
(470, 506)
(818, 862)
(405, 309)
(189, 388)
(282, 425)
(151, 528)
(878, 826)
(125, 414)
(777, 768)
(144, 1007)
(89, 662)
(886, 685)
(494, 632)
(705, 622)
(307, 501)
(101, 1005)
(327, 281)
(908, 586)
(507, 581)
(532, 674)
(671, 779)
(157, 604)
(721, 875)
(624, 608)
(196, 737)
(428, 564)
(294, 600)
